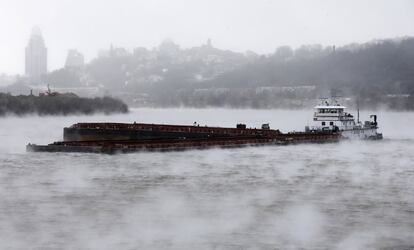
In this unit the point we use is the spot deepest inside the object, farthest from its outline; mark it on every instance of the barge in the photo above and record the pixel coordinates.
(330, 124)
(127, 146)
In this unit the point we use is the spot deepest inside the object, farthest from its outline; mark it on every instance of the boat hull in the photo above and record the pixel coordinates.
(129, 146)
(364, 134)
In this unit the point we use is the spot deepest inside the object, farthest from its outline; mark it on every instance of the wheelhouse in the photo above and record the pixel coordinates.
(329, 116)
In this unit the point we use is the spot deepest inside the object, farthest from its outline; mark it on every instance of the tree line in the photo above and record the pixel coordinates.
(58, 105)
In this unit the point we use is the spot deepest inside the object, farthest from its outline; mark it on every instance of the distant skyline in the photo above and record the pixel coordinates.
(239, 25)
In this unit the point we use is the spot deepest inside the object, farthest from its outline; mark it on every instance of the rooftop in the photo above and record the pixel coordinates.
(329, 107)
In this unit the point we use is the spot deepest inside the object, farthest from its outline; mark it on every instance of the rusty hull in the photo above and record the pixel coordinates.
(234, 138)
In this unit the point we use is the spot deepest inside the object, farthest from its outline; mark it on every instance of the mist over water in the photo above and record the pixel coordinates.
(348, 195)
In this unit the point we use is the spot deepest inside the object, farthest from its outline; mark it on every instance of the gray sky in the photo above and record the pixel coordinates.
(240, 25)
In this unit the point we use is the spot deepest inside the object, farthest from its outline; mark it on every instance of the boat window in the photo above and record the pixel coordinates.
(330, 123)
(323, 123)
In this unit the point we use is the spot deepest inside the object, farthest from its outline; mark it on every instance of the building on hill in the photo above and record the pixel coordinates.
(74, 59)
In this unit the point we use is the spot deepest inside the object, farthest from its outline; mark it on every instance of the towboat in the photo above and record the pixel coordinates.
(329, 115)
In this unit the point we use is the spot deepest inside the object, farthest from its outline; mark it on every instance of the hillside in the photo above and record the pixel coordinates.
(374, 74)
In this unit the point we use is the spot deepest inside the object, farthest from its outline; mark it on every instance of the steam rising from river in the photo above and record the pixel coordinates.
(350, 195)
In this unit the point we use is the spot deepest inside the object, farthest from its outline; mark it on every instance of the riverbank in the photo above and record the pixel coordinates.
(59, 105)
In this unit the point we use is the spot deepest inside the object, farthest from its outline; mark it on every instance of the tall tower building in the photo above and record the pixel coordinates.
(36, 57)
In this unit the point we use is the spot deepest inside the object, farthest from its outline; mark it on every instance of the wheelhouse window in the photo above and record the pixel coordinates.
(331, 123)
(323, 123)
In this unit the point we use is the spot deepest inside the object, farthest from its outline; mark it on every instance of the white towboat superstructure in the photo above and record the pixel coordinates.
(331, 116)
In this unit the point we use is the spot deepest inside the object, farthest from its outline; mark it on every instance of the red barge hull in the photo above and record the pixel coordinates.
(126, 138)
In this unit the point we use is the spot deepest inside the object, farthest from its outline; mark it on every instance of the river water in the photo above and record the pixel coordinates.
(347, 195)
